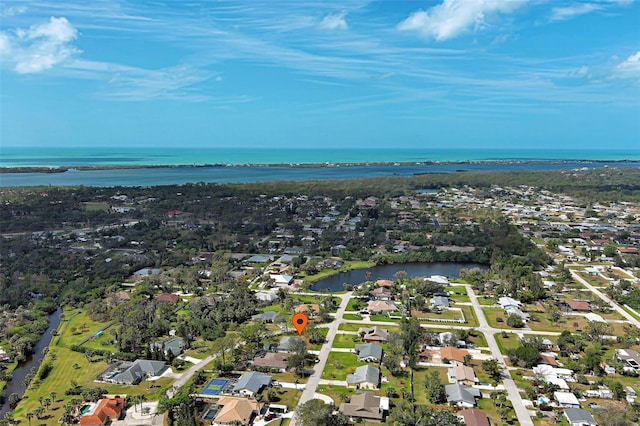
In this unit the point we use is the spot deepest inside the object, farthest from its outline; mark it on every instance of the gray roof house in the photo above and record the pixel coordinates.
(138, 370)
(579, 417)
(369, 352)
(439, 302)
(176, 346)
(629, 357)
(251, 383)
(462, 395)
(365, 377)
(269, 316)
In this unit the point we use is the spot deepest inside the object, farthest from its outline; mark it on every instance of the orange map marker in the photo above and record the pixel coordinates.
(300, 321)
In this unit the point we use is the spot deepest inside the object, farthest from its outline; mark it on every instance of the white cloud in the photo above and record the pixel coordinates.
(568, 12)
(40, 47)
(454, 17)
(335, 22)
(12, 11)
(630, 68)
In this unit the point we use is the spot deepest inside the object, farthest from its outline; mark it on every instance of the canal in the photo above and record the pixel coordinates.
(15, 384)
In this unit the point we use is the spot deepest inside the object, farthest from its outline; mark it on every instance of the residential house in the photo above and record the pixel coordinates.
(104, 411)
(259, 258)
(579, 305)
(309, 309)
(266, 296)
(473, 417)
(579, 417)
(380, 293)
(285, 343)
(236, 411)
(122, 296)
(266, 317)
(175, 346)
(453, 354)
(566, 399)
(375, 334)
(461, 395)
(273, 360)
(369, 352)
(381, 307)
(280, 279)
(462, 374)
(629, 358)
(365, 377)
(251, 383)
(134, 372)
(384, 283)
(366, 406)
(168, 298)
(439, 302)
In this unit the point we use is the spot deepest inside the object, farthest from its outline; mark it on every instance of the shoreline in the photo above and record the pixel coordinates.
(310, 165)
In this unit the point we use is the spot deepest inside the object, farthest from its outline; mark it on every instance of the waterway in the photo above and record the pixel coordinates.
(387, 272)
(15, 384)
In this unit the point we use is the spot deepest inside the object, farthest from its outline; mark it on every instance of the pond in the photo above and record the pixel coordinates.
(357, 276)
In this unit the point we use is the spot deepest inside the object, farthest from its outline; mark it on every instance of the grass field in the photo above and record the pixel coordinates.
(76, 326)
(347, 266)
(346, 341)
(352, 317)
(339, 364)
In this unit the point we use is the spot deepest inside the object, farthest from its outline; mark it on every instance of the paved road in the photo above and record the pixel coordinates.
(314, 380)
(510, 386)
(604, 297)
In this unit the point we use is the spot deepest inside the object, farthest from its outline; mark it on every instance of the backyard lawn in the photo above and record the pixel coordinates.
(339, 364)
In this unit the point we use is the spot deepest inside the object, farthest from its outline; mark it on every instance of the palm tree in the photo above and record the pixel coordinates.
(29, 416)
(53, 396)
(142, 398)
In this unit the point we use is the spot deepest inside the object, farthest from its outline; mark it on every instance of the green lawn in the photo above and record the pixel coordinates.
(486, 301)
(356, 304)
(76, 326)
(384, 318)
(419, 376)
(511, 341)
(352, 317)
(339, 364)
(288, 397)
(346, 341)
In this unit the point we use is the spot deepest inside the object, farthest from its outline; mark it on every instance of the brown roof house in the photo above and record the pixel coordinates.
(453, 354)
(366, 406)
(462, 374)
(579, 305)
(473, 417)
(105, 410)
(167, 297)
(236, 411)
(381, 307)
(375, 334)
(312, 308)
(380, 293)
(273, 360)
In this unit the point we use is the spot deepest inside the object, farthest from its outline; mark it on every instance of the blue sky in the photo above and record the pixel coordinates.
(358, 74)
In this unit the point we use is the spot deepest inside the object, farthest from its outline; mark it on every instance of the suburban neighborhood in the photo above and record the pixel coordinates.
(554, 339)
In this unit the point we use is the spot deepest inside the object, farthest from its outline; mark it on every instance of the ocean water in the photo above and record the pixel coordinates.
(260, 165)
(70, 157)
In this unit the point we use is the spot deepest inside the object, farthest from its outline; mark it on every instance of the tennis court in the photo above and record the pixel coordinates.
(215, 387)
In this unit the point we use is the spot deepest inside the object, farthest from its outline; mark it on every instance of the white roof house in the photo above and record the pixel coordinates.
(566, 399)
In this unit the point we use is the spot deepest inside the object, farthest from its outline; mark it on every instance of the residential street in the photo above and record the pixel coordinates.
(510, 386)
(314, 380)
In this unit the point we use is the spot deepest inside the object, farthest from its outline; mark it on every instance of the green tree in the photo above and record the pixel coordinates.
(434, 388)
(316, 413)
(492, 367)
